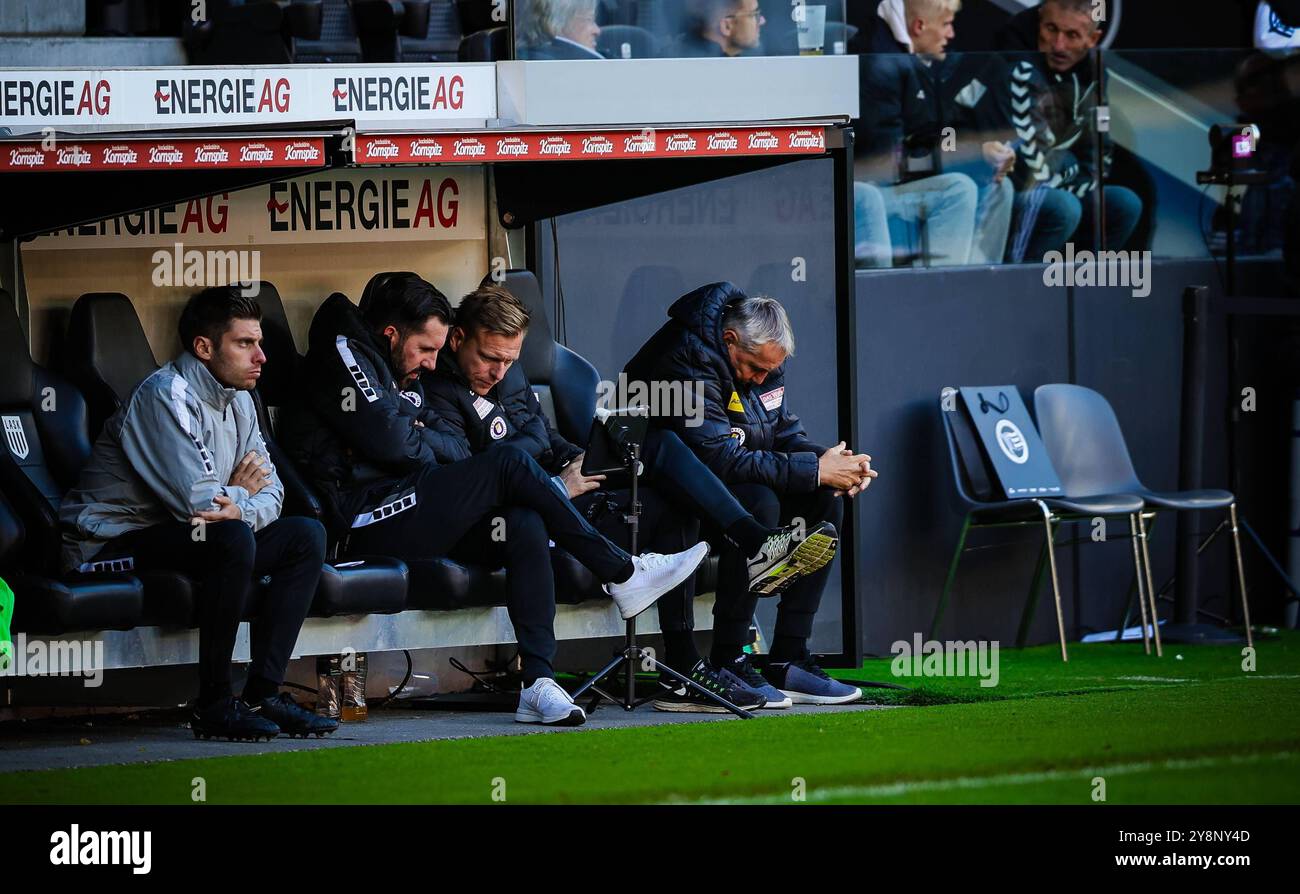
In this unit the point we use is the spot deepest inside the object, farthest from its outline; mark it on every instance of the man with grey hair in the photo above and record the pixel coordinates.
(735, 348)
(558, 29)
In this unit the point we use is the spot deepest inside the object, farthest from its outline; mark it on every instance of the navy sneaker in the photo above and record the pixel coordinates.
(683, 699)
(743, 673)
(808, 684)
(292, 718)
(231, 719)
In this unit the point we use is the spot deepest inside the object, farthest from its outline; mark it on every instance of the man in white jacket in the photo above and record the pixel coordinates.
(180, 480)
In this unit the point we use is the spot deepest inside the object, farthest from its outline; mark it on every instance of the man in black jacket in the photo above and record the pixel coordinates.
(1054, 103)
(367, 440)
(736, 347)
(481, 394)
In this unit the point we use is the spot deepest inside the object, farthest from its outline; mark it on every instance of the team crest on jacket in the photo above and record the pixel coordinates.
(16, 437)
(413, 397)
(734, 405)
(738, 435)
(498, 428)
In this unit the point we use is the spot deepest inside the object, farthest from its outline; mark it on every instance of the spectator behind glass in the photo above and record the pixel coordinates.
(1060, 167)
(901, 214)
(719, 28)
(558, 29)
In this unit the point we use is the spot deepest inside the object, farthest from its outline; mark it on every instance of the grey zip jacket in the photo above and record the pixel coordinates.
(164, 456)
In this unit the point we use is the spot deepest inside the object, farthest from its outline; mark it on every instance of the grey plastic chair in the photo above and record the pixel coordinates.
(976, 491)
(1087, 446)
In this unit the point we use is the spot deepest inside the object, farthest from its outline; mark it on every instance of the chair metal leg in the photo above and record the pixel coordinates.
(1151, 587)
(1241, 575)
(1050, 533)
(1137, 572)
(952, 576)
(1031, 602)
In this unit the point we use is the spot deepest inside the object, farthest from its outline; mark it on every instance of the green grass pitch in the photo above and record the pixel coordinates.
(1194, 729)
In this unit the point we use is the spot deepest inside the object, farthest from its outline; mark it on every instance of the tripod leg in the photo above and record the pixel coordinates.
(599, 675)
(1241, 575)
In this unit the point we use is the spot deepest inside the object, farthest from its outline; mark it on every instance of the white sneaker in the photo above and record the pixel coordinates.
(547, 703)
(654, 575)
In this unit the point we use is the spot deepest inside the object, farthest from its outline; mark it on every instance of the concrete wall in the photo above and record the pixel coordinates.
(42, 17)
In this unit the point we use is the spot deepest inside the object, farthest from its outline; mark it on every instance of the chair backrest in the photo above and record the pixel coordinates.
(107, 353)
(276, 386)
(973, 474)
(488, 45)
(1084, 441)
(44, 444)
(640, 42)
(565, 383)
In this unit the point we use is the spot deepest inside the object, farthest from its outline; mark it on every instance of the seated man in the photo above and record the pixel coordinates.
(719, 28)
(364, 435)
(737, 347)
(180, 479)
(558, 29)
(929, 126)
(1053, 204)
(479, 392)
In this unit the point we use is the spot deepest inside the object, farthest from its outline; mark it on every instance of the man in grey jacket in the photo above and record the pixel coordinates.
(180, 479)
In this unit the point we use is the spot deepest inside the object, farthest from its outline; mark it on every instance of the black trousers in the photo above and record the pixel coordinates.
(500, 509)
(226, 560)
(663, 528)
(733, 609)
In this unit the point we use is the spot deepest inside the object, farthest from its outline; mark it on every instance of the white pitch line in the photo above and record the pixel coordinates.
(894, 789)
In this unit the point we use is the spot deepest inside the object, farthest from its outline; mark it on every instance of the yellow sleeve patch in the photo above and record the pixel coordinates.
(735, 405)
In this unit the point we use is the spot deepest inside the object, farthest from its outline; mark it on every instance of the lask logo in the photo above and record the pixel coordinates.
(256, 152)
(425, 149)
(1012, 441)
(764, 139)
(807, 139)
(27, 157)
(15, 437)
(555, 146)
(119, 155)
(639, 143)
(74, 156)
(723, 142)
(512, 146)
(469, 146)
(381, 149)
(302, 152)
(680, 142)
(211, 154)
(597, 146)
(166, 155)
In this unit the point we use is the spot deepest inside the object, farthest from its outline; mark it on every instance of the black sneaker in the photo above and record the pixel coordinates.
(293, 719)
(785, 558)
(683, 699)
(231, 719)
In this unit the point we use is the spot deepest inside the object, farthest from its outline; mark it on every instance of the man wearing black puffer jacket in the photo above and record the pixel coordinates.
(735, 347)
(364, 435)
(483, 395)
